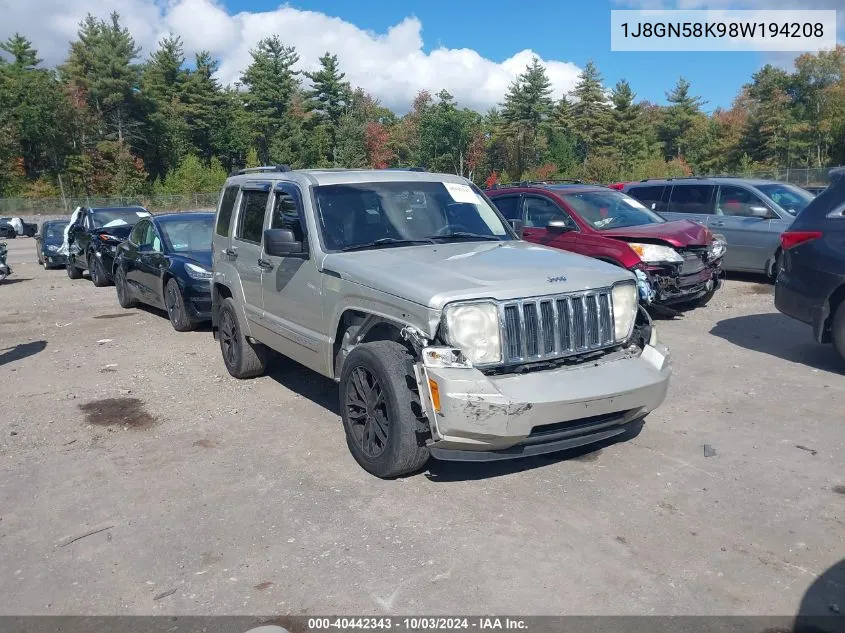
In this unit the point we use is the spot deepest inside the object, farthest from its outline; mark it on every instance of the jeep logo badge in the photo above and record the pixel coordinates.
(556, 280)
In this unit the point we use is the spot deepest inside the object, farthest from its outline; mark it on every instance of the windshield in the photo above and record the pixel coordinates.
(54, 232)
(384, 214)
(610, 209)
(104, 218)
(789, 198)
(188, 233)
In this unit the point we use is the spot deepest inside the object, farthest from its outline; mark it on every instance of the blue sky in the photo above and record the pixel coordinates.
(560, 30)
(394, 49)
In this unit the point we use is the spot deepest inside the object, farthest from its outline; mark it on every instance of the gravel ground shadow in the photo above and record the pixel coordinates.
(779, 336)
(20, 351)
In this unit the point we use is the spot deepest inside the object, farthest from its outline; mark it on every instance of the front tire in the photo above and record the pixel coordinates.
(381, 410)
(97, 272)
(180, 318)
(837, 330)
(72, 271)
(242, 358)
(124, 294)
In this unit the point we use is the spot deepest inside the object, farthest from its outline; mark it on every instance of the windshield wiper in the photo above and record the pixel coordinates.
(463, 235)
(386, 241)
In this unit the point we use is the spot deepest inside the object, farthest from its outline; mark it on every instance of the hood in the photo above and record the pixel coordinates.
(679, 233)
(436, 275)
(196, 257)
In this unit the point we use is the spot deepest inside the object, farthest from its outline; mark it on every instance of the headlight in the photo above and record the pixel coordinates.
(656, 254)
(624, 310)
(474, 329)
(197, 272)
(717, 247)
(52, 248)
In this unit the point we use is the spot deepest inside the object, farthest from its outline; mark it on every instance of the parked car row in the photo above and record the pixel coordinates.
(453, 320)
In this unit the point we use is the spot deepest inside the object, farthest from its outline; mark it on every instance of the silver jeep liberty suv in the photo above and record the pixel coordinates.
(448, 335)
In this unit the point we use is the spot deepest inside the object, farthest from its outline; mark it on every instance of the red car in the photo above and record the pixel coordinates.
(676, 263)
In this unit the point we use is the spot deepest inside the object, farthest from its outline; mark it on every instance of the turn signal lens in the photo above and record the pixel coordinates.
(791, 239)
(435, 394)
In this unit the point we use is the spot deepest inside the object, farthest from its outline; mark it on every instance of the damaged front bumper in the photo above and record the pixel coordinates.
(665, 285)
(475, 416)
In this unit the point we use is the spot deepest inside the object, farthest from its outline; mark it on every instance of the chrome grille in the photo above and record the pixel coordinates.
(553, 327)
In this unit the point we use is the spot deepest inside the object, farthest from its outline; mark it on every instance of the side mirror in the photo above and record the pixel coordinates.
(517, 225)
(282, 243)
(760, 212)
(558, 226)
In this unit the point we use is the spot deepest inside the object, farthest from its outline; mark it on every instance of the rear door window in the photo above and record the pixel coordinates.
(692, 199)
(251, 217)
(650, 196)
(227, 205)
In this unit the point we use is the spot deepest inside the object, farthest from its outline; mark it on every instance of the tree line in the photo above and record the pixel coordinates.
(107, 122)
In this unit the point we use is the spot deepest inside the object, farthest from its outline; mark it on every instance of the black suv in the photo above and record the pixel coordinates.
(93, 238)
(811, 283)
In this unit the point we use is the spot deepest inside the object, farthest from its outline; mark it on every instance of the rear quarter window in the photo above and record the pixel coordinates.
(649, 196)
(227, 205)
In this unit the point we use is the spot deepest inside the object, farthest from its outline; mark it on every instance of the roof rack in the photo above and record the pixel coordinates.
(538, 183)
(252, 170)
(405, 169)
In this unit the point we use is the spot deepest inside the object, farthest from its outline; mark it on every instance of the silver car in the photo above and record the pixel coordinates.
(448, 335)
(750, 214)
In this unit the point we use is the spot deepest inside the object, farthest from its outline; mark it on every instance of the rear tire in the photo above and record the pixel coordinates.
(381, 410)
(180, 318)
(242, 358)
(124, 294)
(773, 273)
(72, 271)
(97, 272)
(837, 330)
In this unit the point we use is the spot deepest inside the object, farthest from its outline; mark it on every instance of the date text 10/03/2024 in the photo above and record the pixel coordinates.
(418, 623)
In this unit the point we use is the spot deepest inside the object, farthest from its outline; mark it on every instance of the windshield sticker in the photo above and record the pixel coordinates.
(142, 214)
(634, 203)
(118, 222)
(461, 193)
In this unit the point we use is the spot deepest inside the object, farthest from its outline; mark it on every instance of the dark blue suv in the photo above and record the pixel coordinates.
(811, 282)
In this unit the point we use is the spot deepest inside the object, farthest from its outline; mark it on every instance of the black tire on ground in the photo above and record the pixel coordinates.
(773, 273)
(72, 271)
(180, 318)
(242, 358)
(380, 409)
(97, 271)
(124, 294)
(837, 330)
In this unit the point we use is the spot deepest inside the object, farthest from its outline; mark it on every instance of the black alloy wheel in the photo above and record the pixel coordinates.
(367, 412)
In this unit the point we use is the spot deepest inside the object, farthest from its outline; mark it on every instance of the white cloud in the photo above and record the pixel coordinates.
(392, 66)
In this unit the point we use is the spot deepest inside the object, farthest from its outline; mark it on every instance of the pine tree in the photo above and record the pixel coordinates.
(629, 133)
(328, 98)
(203, 101)
(526, 108)
(22, 52)
(162, 86)
(682, 114)
(590, 112)
(272, 83)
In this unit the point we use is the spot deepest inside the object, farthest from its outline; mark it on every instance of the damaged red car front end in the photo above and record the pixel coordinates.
(675, 262)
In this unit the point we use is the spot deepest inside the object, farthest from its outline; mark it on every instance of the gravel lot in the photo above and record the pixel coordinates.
(243, 498)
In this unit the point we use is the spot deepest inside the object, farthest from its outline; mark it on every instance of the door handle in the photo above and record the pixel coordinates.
(232, 253)
(265, 265)
(718, 224)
